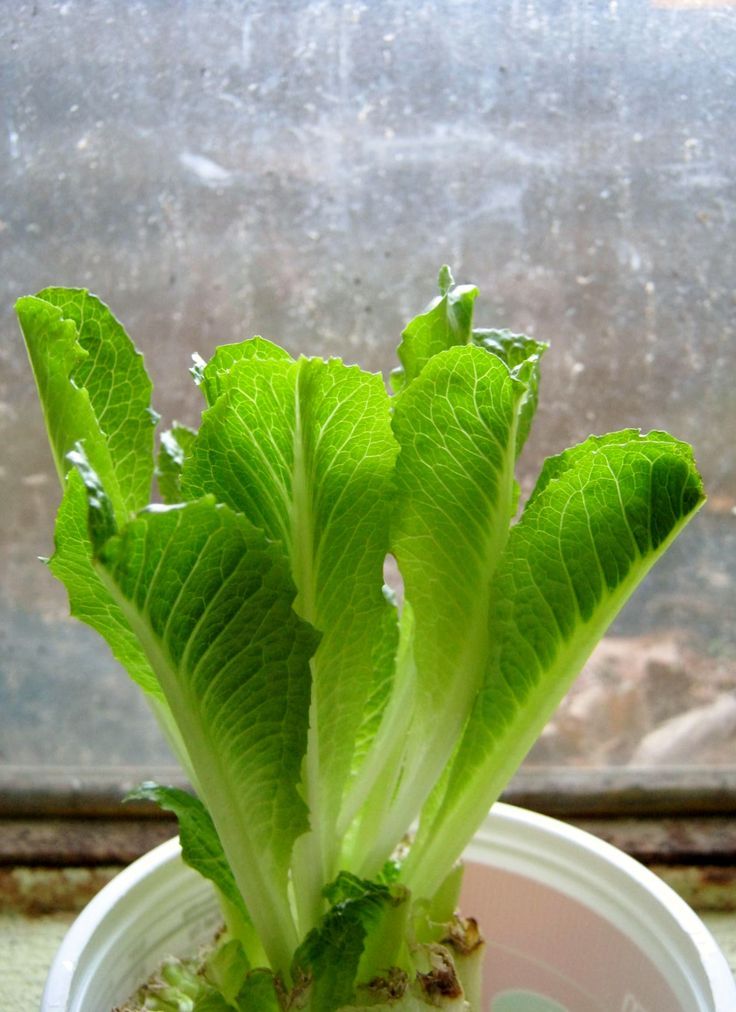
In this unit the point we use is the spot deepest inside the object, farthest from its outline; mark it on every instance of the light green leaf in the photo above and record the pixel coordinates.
(176, 445)
(210, 601)
(89, 600)
(95, 396)
(383, 663)
(244, 452)
(213, 376)
(93, 389)
(227, 967)
(447, 321)
(304, 450)
(602, 514)
(456, 426)
(212, 1001)
(100, 512)
(381, 749)
(522, 355)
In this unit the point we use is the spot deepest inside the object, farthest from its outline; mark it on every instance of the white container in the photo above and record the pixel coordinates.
(571, 925)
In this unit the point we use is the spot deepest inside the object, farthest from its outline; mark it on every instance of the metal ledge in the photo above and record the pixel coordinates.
(55, 817)
(625, 791)
(91, 841)
(38, 791)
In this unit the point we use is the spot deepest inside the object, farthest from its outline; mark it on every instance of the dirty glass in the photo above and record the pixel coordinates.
(301, 170)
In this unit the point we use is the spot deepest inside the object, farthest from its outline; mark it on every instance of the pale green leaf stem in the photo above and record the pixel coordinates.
(456, 428)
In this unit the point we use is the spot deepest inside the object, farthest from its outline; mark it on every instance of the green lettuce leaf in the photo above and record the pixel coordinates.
(601, 515)
(212, 1001)
(258, 993)
(94, 389)
(363, 932)
(202, 850)
(446, 322)
(95, 394)
(304, 449)
(210, 600)
(213, 376)
(522, 355)
(200, 844)
(384, 664)
(176, 445)
(226, 968)
(456, 426)
(89, 601)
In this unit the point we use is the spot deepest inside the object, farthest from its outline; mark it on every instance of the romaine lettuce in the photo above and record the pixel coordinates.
(317, 719)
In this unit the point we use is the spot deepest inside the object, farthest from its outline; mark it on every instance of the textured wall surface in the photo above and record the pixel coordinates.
(301, 170)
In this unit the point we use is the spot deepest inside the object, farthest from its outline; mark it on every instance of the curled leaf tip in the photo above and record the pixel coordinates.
(100, 512)
(445, 279)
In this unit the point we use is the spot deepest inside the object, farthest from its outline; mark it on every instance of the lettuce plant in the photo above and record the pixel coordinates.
(342, 747)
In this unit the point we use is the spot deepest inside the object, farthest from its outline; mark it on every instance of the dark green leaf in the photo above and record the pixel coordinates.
(200, 844)
(258, 993)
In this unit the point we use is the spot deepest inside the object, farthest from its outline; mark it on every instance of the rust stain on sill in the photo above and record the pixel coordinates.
(58, 864)
(701, 841)
(703, 888)
(35, 892)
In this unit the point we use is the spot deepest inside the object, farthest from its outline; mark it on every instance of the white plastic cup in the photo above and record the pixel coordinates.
(571, 925)
(573, 922)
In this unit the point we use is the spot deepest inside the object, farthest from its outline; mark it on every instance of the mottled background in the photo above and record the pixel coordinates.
(301, 170)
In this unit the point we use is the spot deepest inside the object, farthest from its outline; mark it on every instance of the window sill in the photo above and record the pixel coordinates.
(64, 834)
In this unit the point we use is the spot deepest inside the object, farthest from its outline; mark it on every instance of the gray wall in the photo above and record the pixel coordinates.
(301, 170)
